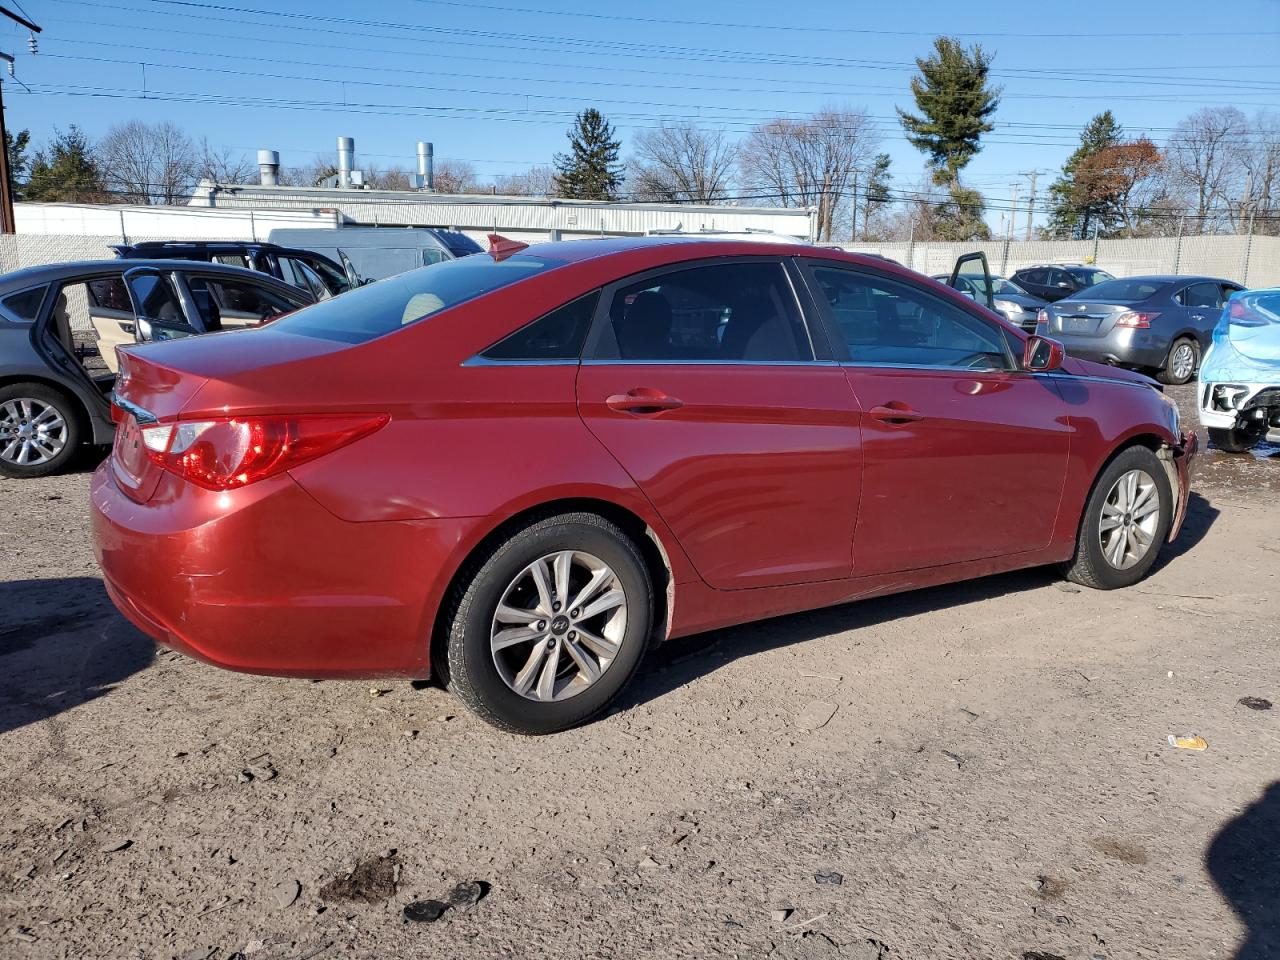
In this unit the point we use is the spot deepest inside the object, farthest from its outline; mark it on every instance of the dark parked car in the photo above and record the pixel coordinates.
(520, 471)
(1160, 324)
(59, 329)
(305, 269)
(1053, 281)
(1018, 306)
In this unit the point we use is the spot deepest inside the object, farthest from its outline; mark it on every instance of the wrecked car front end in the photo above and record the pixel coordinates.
(1238, 394)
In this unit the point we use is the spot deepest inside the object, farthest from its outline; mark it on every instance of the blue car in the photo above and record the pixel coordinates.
(1239, 387)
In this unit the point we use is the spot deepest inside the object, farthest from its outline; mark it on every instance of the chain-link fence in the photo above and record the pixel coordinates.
(1251, 260)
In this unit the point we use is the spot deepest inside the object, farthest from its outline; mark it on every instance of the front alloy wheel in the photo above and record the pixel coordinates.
(1125, 521)
(1130, 516)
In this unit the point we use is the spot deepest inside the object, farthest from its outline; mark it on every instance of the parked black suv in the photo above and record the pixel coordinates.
(309, 271)
(1053, 281)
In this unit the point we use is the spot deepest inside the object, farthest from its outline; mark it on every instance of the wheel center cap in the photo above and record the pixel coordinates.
(560, 624)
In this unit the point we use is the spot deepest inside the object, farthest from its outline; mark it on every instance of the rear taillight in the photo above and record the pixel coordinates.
(230, 452)
(1042, 317)
(1132, 318)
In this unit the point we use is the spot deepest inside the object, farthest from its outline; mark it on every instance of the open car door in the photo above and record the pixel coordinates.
(157, 308)
(353, 275)
(981, 282)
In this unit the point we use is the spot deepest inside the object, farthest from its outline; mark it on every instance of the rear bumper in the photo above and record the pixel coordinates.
(265, 580)
(1183, 458)
(1123, 347)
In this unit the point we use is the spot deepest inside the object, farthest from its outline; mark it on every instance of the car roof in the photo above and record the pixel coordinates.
(1175, 278)
(687, 248)
(51, 272)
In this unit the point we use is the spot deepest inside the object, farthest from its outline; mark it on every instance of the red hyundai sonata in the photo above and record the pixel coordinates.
(520, 471)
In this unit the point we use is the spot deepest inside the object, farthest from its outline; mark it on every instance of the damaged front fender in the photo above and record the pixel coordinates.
(1177, 461)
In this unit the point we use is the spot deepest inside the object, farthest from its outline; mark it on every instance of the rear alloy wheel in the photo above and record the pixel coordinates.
(1125, 522)
(1182, 362)
(551, 626)
(38, 431)
(1238, 439)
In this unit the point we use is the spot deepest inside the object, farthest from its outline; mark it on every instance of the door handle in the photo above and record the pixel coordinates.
(643, 400)
(1197, 316)
(894, 412)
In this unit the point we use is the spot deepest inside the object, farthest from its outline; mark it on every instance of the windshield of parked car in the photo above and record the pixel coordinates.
(459, 244)
(999, 285)
(1127, 290)
(390, 304)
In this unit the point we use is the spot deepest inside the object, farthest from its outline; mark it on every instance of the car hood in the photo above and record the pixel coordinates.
(1088, 368)
(1023, 300)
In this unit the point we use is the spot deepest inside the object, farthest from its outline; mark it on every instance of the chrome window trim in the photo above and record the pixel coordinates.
(482, 361)
(970, 371)
(709, 363)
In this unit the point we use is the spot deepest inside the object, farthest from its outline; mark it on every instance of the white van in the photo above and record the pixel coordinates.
(380, 252)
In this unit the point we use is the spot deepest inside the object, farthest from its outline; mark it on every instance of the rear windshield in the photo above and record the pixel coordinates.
(1128, 290)
(390, 304)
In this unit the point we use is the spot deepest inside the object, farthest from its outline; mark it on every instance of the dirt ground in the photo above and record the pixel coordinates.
(995, 780)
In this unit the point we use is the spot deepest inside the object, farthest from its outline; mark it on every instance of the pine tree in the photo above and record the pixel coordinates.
(590, 171)
(1077, 212)
(66, 171)
(954, 101)
(16, 147)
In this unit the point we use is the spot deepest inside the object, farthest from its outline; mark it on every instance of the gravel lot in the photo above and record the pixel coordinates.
(994, 782)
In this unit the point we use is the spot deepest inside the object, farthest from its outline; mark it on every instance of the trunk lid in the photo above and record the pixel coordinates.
(1084, 318)
(157, 381)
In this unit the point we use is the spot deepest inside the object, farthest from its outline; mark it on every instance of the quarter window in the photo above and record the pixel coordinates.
(725, 312)
(556, 336)
(887, 322)
(25, 305)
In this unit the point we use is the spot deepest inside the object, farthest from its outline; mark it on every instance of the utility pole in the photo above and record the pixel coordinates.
(1013, 212)
(6, 182)
(853, 206)
(1031, 200)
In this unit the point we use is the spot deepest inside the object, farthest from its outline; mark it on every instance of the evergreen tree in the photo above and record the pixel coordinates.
(590, 171)
(1078, 210)
(954, 101)
(16, 147)
(960, 218)
(66, 171)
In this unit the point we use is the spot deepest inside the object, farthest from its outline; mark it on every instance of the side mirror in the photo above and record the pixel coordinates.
(1063, 285)
(1041, 355)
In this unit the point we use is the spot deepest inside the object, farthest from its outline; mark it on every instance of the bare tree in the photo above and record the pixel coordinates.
(808, 163)
(537, 181)
(681, 162)
(222, 166)
(392, 178)
(1205, 160)
(455, 176)
(149, 163)
(1259, 205)
(313, 174)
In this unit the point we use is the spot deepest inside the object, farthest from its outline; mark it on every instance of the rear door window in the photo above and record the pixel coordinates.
(714, 313)
(225, 304)
(1208, 295)
(557, 336)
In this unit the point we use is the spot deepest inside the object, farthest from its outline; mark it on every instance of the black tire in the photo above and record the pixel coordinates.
(1235, 439)
(1166, 375)
(1090, 567)
(65, 407)
(470, 672)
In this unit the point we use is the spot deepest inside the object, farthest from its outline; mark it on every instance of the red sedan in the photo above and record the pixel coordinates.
(521, 471)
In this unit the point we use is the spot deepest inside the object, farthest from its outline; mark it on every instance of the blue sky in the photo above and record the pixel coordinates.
(496, 83)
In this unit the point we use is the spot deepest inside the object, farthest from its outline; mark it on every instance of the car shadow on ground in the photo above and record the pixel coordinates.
(1244, 862)
(61, 644)
(679, 661)
(1201, 515)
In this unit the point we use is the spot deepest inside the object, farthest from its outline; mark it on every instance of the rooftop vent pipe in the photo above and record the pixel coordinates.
(269, 168)
(426, 164)
(346, 161)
